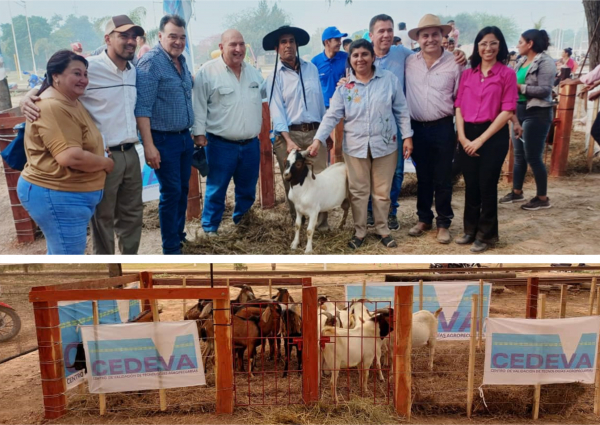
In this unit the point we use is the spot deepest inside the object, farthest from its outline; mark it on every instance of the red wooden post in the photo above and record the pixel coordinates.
(267, 177)
(310, 352)
(52, 369)
(194, 209)
(223, 356)
(403, 299)
(338, 138)
(532, 297)
(562, 135)
(146, 283)
(509, 163)
(25, 227)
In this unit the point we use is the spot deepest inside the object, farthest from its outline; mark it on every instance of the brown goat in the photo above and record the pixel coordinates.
(291, 327)
(269, 324)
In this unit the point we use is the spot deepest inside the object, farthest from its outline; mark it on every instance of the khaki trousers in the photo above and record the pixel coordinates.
(303, 139)
(370, 176)
(121, 210)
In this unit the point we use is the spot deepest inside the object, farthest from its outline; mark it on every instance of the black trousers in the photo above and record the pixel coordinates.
(596, 129)
(481, 175)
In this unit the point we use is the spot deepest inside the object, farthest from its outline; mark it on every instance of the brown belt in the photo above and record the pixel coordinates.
(305, 127)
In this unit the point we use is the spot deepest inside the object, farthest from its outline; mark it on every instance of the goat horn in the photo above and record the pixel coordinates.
(304, 153)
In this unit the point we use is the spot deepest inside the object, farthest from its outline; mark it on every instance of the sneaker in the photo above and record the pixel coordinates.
(370, 219)
(393, 222)
(211, 235)
(536, 204)
(512, 197)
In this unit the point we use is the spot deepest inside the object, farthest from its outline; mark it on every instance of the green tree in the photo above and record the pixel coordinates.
(255, 23)
(539, 24)
(469, 24)
(43, 48)
(39, 27)
(76, 28)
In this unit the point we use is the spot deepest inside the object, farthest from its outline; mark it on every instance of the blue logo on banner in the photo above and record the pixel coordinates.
(133, 356)
(458, 322)
(518, 351)
(81, 313)
(148, 176)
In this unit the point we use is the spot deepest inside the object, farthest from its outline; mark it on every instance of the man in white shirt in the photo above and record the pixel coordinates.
(110, 99)
(227, 100)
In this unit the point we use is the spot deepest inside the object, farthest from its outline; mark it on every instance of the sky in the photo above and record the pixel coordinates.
(209, 15)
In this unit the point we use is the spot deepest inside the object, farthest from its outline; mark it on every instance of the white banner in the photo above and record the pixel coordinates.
(150, 187)
(541, 351)
(454, 297)
(142, 356)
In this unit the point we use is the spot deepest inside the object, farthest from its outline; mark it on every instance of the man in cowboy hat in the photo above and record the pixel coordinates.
(228, 118)
(331, 62)
(393, 59)
(110, 98)
(432, 77)
(295, 101)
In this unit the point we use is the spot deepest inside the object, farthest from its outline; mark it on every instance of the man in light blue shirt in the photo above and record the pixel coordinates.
(331, 62)
(295, 102)
(391, 58)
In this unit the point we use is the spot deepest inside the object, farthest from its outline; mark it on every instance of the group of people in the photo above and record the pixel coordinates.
(395, 104)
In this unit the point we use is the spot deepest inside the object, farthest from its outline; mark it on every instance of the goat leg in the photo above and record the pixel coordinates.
(297, 226)
(346, 208)
(310, 231)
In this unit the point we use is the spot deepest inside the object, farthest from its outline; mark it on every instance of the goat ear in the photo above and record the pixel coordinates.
(312, 172)
(304, 153)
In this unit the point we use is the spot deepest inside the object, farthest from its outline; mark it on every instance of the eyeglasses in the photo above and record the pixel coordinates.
(491, 44)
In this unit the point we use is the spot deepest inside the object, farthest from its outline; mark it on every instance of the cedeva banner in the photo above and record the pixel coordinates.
(454, 297)
(541, 351)
(142, 356)
(74, 314)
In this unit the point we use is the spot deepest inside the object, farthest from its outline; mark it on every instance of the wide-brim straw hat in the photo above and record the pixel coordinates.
(271, 40)
(429, 21)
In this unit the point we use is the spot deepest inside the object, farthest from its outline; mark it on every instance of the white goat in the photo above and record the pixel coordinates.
(424, 331)
(359, 312)
(315, 194)
(347, 348)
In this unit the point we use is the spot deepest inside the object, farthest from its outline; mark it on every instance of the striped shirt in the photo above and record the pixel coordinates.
(163, 93)
(110, 99)
(430, 92)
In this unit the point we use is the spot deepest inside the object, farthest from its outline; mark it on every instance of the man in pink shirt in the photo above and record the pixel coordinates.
(432, 78)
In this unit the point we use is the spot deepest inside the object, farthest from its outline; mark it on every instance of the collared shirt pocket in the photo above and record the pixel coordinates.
(254, 92)
(226, 96)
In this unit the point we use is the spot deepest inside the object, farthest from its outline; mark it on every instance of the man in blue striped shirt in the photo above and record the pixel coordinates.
(164, 115)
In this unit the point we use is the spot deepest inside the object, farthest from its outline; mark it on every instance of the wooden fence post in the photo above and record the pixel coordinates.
(184, 300)
(310, 345)
(480, 316)
(562, 134)
(337, 135)
(472, 345)
(532, 297)
(146, 282)
(223, 356)
(563, 302)
(194, 209)
(420, 294)
(538, 388)
(52, 368)
(592, 293)
(161, 392)
(403, 301)
(267, 175)
(597, 380)
(96, 320)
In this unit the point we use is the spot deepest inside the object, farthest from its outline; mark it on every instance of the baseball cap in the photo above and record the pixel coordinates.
(122, 23)
(332, 32)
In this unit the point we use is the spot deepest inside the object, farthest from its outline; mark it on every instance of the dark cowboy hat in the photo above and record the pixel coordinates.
(271, 40)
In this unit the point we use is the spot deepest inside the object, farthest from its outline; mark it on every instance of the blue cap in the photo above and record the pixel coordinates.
(332, 32)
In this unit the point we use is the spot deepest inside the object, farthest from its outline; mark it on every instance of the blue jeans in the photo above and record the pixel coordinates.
(396, 182)
(433, 152)
(227, 160)
(174, 182)
(62, 216)
(536, 124)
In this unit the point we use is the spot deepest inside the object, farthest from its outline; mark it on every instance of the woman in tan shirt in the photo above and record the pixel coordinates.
(66, 166)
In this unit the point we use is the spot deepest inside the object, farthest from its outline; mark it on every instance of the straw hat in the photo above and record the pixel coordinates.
(429, 21)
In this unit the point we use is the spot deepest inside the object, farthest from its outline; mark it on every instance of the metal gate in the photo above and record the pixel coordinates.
(267, 353)
(353, 349)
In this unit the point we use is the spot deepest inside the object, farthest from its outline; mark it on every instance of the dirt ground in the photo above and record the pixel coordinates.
(438, 396)
(571, 226)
